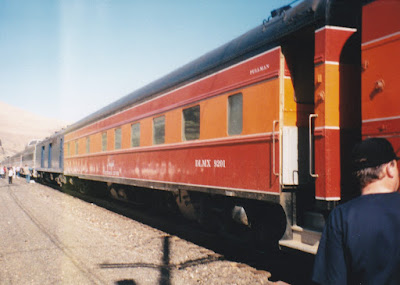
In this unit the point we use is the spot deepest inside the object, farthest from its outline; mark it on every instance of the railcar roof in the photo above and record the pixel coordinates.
(259, 39)
(52, 137)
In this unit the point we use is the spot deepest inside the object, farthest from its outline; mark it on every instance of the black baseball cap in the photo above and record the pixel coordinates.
(372, 152)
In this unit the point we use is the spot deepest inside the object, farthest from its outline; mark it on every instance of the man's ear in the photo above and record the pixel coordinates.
(391, 168)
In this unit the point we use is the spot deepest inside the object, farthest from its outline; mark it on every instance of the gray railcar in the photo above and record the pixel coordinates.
(50, 158)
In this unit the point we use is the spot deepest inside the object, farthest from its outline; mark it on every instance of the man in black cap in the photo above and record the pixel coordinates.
(360, 243)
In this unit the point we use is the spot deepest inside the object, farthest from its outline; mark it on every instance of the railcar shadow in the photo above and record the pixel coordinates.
(165, 276)
(292, 267)
(126, 282)
(165, 267)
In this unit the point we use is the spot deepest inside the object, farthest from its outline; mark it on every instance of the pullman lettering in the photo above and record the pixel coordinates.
(259, 69)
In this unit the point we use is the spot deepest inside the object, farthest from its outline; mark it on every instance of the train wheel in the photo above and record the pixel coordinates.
(83, 189)
(268, 226)
(122, 194)
(82, 186)
(210, 216)
(118, 193)
(113, 192)
(187, 205)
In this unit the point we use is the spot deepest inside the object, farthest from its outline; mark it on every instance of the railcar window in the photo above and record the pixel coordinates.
(104, 141)
(76, 147)
(49, 157)
(191, 123)
(235, 114)
(88, 145)
(117, 138)
(135, 135)
(159, 130)
(68, 149)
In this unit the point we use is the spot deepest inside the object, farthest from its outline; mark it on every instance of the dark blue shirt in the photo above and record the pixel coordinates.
(360, 243)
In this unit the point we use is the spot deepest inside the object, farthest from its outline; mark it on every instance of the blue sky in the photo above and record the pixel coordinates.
(65, 59)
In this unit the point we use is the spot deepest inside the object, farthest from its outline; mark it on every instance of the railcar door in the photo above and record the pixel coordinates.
(321, 74)
(296, 105)
(297, 133)
(50, 156)
(42, 157)
(61, 154)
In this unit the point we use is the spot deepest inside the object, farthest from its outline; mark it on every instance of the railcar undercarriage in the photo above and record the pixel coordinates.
(260, 223)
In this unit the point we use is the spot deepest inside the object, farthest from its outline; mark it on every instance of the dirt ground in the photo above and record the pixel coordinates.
(48, 237)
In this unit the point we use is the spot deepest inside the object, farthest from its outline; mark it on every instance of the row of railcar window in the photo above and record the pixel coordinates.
(190, 128)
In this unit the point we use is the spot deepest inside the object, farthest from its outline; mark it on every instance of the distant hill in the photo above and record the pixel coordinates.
(18, 127)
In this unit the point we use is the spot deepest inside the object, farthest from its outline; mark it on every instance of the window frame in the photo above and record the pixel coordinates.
(135, 134)
(104, 141)
(233, 122)
(87, 144)
(118, 138)
(156, 130)
(76, 147)
(186, 136)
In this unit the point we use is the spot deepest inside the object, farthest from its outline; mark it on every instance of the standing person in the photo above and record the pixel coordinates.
(360, 241)
(10, 175)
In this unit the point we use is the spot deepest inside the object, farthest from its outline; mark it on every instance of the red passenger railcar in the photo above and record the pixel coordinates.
(380, 72)
(258, 129)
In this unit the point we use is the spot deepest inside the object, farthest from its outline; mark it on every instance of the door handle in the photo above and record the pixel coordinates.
(311, 144)
(274, 123)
